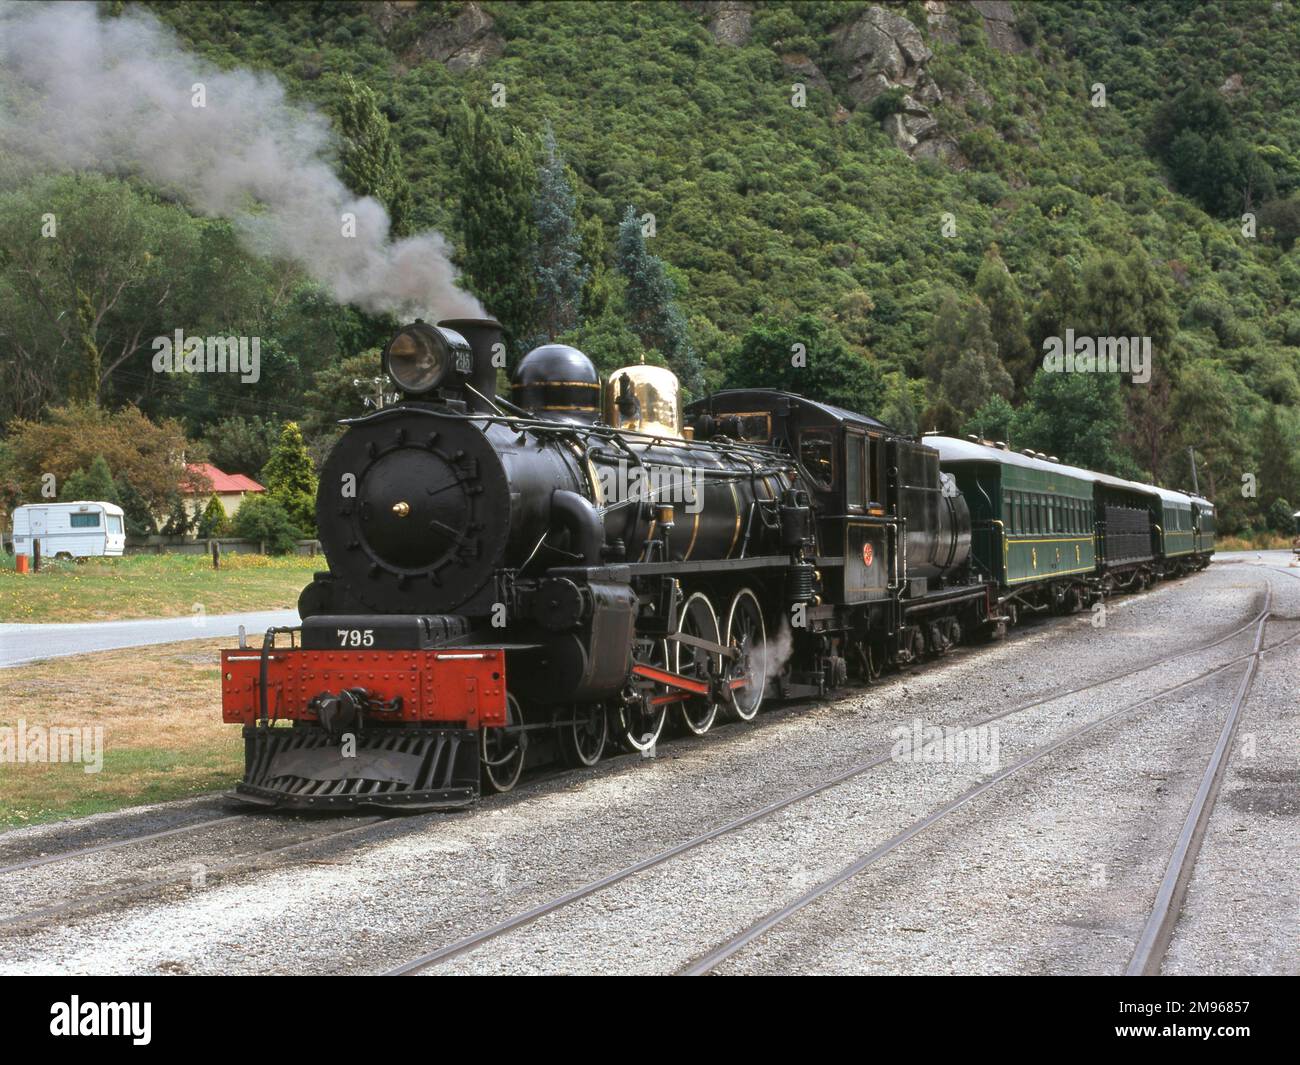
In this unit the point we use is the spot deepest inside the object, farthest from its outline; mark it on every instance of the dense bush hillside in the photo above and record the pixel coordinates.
(921, 194)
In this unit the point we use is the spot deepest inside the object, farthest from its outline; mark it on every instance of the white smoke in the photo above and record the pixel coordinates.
(81, 92)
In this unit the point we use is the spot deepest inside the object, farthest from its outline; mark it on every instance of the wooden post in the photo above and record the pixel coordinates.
(36, 554)
(216, 555)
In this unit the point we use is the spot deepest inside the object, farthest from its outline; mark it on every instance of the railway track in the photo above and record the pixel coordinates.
(1159, 928)
(270, 857)
(1148, 955)
(243, 864)
(519, 920)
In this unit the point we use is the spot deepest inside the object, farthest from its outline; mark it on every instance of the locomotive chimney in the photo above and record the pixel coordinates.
(483, 335)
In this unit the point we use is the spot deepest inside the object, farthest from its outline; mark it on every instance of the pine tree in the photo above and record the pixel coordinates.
(291, 480)
(371, 161)
(213, 521)
(650, 301)
(95, 484)
(558, 268)
(496, 223)
(1001, 295)
(84, 384)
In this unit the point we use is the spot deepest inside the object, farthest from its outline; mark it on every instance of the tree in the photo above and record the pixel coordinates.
(148, 456)
(807, 356)
(94, 484)
(243, 445)
(557, 259)
(263, 519)
(88, 300)
(83, 384)
(993, 421)
(290, 479)
(998, 291)
(962, 362)
(496, 184)
(650, 302)
(213, 521)
(1078, 418)
(371, 162)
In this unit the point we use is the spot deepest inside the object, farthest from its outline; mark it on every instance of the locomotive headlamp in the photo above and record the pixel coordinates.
(423, 357)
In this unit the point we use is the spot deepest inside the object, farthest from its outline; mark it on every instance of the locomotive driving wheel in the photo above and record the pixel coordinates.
(698, 618)
(584, 731)
(502, 750)
(747, 634)
(637, 722)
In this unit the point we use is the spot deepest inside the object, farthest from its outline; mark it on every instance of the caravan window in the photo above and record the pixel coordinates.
(114, 524)
(85, 521)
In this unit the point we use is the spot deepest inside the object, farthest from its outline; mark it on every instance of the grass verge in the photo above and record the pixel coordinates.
(153, 586)
(160, 711)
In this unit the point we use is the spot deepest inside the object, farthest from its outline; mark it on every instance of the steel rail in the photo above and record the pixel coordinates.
(528, 916)
(736, 943)
(1152, 944)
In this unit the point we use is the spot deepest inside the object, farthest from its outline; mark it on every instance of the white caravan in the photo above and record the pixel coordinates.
(69, 530)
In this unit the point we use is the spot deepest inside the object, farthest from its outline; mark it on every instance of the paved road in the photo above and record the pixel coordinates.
(30, 643)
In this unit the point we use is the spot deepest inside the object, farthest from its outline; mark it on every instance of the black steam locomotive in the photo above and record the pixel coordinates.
(576, 567)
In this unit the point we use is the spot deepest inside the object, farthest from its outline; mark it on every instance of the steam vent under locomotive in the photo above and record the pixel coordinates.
(584, 565)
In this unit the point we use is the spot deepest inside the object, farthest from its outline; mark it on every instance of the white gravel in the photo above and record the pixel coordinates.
(1051, 871)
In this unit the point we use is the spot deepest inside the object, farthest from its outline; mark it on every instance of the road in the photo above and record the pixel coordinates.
(32, 643)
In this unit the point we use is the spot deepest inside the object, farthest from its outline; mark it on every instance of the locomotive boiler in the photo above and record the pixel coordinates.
(500, 568)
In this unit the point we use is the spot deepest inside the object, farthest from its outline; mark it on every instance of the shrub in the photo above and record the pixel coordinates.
(213, 521)
(265, 520)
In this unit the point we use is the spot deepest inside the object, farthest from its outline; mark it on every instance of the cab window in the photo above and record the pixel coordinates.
(815, 453)
(854, 454)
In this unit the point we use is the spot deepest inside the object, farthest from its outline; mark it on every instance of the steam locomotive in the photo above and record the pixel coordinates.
(586, 564)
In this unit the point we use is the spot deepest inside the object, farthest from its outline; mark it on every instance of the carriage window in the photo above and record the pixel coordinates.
(815, 454)
(854, 447)
(85, 521)
(1041, 517)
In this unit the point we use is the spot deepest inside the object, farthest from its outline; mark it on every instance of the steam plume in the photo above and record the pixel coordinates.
(80, 92)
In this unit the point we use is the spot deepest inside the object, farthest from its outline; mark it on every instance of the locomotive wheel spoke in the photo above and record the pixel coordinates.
(584, 731)
(502, 750)
(698, 618)
(638, 724)
(746, 632)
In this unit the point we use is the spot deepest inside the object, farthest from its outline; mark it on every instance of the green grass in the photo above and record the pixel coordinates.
(162, 739)
(131, 777)
(149, 586)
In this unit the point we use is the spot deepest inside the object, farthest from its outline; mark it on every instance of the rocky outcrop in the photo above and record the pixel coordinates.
(729, 20)
(940, 23)
(1000, 25)
(466, 42)
(800, 68)
(1232, 85)
(882, 51)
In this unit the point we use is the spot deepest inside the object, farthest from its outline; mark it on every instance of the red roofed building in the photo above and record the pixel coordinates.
(206, 480)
